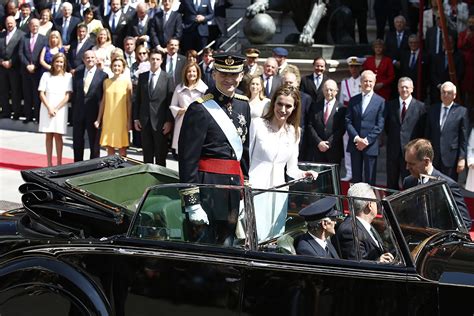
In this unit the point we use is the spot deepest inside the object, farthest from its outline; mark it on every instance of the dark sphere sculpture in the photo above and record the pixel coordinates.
(260, 29)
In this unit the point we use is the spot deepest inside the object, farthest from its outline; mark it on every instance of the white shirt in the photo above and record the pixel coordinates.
(315, 78)
(368, 227)
(155, 79)
(366, 100)
(117, 16)
(329, 104)
(267, 81)
(172, 58)
(321, 242)
(352, 88)
(9, 35)
(91, 71)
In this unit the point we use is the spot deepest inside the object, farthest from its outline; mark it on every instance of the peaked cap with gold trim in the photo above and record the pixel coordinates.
(229, 63)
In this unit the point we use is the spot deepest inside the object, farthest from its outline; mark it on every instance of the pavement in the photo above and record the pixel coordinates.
(14, 135)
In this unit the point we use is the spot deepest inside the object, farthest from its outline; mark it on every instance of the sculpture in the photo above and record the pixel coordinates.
(334, 20)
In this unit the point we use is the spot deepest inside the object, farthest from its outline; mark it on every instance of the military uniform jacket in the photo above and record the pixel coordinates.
(201, 137)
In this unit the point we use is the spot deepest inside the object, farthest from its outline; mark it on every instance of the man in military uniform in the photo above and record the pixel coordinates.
(281, 55)
(251, 68)
(214, 150)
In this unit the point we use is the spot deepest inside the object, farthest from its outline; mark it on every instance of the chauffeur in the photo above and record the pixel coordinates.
(320, 219)
(213, 149)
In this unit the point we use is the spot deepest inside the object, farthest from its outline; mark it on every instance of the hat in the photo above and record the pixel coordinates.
(320, 209)
(353, 61)
(252, 52)
(229, 63)
(280, 51)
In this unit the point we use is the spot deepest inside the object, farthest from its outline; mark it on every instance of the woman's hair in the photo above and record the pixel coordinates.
(185, 71)
(191, 53)
(58, 35)
(46, 10)
(117, 52)
(140, 47)
(52, 70)
(378, 42)
(294, 118)
(92, 10)
(109, 36)
(261, 95)
(122, 60)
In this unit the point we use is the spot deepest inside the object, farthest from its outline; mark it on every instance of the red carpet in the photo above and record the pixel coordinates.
(22, 160)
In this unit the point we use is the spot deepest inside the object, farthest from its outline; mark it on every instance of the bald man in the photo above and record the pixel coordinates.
(326, 127)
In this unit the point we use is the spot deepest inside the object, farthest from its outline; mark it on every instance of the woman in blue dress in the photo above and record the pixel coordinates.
(55, 45)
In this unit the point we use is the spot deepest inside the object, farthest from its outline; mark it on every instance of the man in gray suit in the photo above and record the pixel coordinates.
(364, 123)
(271, 80)
(151, 114)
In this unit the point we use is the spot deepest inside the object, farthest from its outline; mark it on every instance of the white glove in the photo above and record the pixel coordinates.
(196, 214)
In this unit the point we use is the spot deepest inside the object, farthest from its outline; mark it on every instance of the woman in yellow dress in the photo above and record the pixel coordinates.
(115, 110)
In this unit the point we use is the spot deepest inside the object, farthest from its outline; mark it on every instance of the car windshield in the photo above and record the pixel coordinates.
(425, 211)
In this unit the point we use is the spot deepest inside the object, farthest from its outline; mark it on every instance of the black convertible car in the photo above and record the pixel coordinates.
(109, 237)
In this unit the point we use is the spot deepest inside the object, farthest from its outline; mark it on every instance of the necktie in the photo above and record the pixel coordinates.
(165, 17)
(399, 39)
(32, 42)
(444, 116)
(54, 9)
(113, 23)
(404, 110)
(87, 82)
(267, 87)
(170, 66)
(413, 60)
(196, 4)
(327, 250)
(64, 31)
(151, 84)
(377, 237)
(445, 61)
(326, 113)
(318, 81)
(438, 40)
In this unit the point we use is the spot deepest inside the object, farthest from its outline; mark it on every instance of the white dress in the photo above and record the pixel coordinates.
(270, 152)
(259, 107)
(55, 88)
(182, 98)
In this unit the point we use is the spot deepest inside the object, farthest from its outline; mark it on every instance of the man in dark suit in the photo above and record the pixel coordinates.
(66, 25)
(166, 24)
(326, 126)
(55, 7)
(78, 8)
(419, 160)
(79, 46)
(385, 11)
(447, 127)
(139, 26)
(364, 123)
(405, 120)
(151, 114)
(87, 87)
(359, 10)
(173, 63)
(196, 14)
(320, 217)
(127, 9)
(10, 87)
(313, 84)
(370, 245)
(116, 22)
(30, 49)
(25, 17)
(396, 41)
(409, 61)
(306, 105)
(206, 67)
(271, 80)
(434, 39)
(218, 25)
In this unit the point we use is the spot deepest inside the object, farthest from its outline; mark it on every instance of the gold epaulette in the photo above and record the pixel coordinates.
(241, 97)
(205, 98)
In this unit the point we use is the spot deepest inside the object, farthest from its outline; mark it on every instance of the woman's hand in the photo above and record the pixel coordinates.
(311, 174)
(51, 111)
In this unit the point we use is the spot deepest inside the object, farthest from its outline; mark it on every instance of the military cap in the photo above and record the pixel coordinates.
(354, 61)
(252, 53)
(229, 63)
(320, 209)
(280, 51)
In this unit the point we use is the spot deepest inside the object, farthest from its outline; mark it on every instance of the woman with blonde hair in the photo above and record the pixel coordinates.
(115, 110)
(274, 142)
(103, 48)
(191, 88)
(257, 99)
(55, 89)
(55, 46)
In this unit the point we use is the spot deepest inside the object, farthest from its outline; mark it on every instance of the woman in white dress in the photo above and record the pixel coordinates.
(185, 93)
(55, 88)
(274, 141)
(257, 100)
(470, 162)
(103, 50)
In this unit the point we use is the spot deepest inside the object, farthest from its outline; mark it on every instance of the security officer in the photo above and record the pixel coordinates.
(320, 218)
(213, 149)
